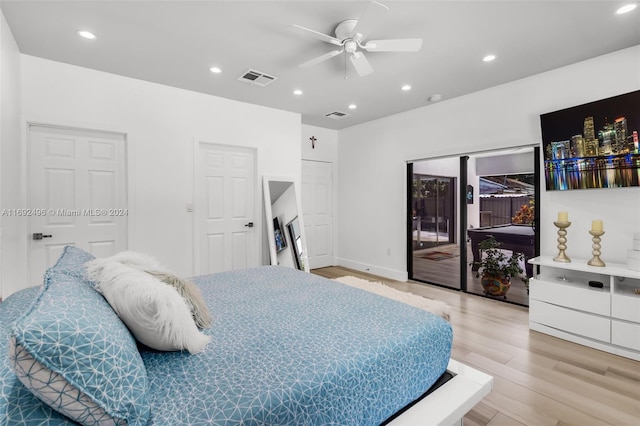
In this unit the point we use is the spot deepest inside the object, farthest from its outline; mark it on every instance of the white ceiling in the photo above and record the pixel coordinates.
(176, 42)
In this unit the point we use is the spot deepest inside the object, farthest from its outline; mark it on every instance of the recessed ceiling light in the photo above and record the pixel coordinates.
(489, 58)
(297, 92)
(627, 8)
(215, 70)
(86, 34)
(353, 106)
(406, 87)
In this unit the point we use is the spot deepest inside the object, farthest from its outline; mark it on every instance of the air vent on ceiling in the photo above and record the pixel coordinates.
(337, 115)
(257, 78)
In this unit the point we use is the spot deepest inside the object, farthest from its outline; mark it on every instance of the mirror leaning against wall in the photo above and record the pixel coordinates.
(285, 227)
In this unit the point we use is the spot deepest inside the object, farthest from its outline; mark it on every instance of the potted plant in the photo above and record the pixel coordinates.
(526, 214)
(496, 268)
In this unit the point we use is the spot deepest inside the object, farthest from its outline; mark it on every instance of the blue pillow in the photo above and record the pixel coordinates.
(18, 406)
(71, 350)
(71, 262)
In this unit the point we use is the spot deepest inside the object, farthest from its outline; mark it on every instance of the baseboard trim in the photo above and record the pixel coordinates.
(391, 274)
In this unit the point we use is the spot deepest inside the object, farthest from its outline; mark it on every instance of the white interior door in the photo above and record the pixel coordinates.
(226, 238)
(77, 194)
(317, 208)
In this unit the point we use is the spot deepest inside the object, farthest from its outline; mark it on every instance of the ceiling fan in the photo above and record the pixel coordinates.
(351, 35)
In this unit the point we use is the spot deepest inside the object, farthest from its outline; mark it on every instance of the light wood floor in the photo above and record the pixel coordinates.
(538, 379)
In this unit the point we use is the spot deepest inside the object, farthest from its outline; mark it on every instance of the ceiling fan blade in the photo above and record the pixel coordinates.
(368, 20)
(361, 64)
(321, 58)
(315, 34)
(397, 45)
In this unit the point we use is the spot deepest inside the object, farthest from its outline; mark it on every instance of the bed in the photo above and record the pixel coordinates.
(287, 347)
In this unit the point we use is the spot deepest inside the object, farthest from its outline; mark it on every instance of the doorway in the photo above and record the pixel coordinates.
(433, 210)
(77, 194)
(486, 193)
(434, 248)
(225, 208)
(317, 208)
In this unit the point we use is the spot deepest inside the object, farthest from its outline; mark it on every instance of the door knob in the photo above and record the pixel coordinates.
(249, 225)
(39, 236)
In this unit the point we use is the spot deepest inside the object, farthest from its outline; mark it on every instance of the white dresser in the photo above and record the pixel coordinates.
(562, 304)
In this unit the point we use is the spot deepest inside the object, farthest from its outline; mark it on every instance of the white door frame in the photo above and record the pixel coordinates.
(27, 173)
(257, 223)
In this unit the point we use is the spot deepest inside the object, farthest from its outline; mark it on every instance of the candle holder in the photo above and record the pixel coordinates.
(596, 261)
(562, 242)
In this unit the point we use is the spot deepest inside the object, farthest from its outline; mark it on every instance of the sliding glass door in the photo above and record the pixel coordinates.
(434, 249)
(454, 203)
(433, 210)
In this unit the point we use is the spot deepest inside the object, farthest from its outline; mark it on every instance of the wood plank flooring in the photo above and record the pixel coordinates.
(538, 379)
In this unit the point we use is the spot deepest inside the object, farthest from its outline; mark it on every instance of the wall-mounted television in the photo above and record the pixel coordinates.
(594, 145)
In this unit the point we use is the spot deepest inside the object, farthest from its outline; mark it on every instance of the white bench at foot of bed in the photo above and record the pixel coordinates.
(450, 402)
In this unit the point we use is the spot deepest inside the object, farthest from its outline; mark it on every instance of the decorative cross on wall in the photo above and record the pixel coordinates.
(313, 142)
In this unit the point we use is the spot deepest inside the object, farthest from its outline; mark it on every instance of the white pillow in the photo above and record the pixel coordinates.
(155, 312)
(188, 290)
(190, 293)
(137, 260)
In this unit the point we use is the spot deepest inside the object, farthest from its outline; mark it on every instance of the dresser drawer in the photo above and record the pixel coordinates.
(572, 295)
(626, 307)
(580, 323)
(625, 334)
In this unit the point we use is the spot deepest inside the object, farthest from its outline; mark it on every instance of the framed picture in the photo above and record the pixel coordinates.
(594, 145)
(281, 239)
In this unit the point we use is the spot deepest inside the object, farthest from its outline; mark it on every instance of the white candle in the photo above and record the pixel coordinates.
(563, 217)
(596, 225)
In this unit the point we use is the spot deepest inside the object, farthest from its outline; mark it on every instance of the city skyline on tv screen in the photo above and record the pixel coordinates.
(594, 145)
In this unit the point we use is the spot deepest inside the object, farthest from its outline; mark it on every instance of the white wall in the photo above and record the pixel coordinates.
(161, 123)
(326, 145)
(372, 206)
(13, 232)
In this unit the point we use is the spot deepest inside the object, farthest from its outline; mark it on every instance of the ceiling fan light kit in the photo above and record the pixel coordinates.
(350, 34)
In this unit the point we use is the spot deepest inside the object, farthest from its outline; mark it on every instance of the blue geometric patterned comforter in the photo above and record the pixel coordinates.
(293, 348)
